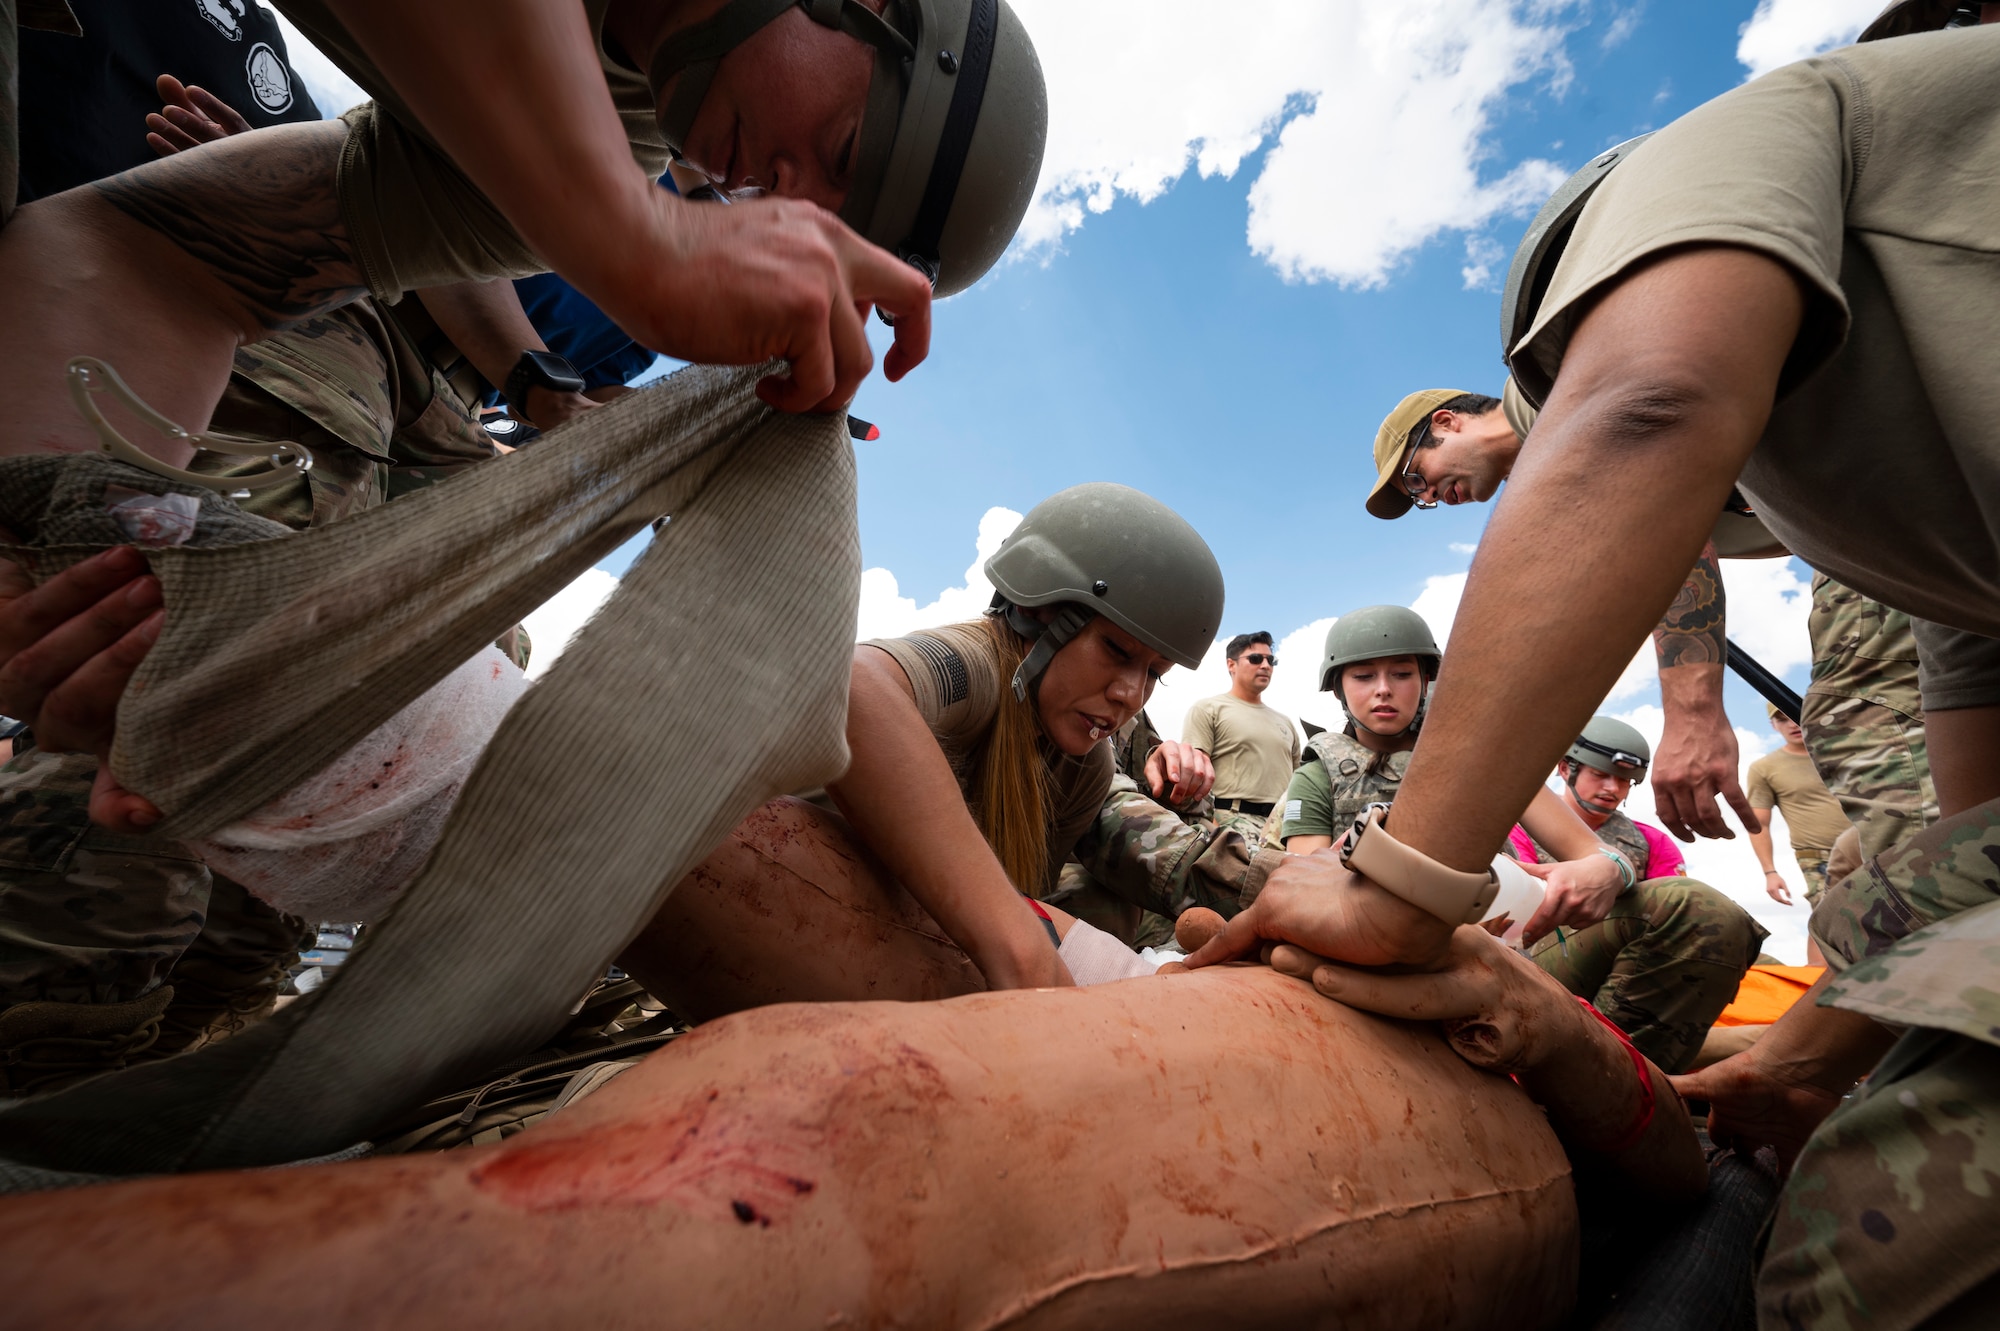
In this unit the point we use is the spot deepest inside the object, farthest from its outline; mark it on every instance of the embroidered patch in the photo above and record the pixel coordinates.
(1293, 809)
(947, 668)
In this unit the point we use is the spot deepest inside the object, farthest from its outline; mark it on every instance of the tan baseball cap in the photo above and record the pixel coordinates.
(1388, 499)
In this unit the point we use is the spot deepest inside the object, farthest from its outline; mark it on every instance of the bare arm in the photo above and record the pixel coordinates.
(486, 322)
(1664, 392)
(1774, 883)
(259, 213)
(1697, 761)
(900, 795)
(1964, 747)
(1665, 389)
(1778, 1090)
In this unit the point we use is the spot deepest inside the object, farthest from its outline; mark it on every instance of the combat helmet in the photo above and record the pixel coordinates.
(1372, 632)
(1904, 17)
(1105, 549)
(1610, 746)
(952, 137)
(1376, 631)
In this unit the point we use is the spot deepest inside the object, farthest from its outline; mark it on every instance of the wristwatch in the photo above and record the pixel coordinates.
(1453, 896)
(538, 369)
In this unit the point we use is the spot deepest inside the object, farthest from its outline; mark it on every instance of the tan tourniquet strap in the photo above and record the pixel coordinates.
(277, 658)
(714, 679)
(1454, 897)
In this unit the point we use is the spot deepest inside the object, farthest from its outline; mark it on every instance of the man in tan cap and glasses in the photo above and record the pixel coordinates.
(1443, 445)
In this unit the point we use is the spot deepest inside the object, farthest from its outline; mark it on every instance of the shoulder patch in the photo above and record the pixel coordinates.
(947, 668)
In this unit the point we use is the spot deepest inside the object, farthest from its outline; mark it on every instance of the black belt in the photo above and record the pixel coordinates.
(1261, 808)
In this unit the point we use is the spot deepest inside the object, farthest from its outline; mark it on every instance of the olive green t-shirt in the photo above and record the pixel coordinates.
(1873, 173)
(957, 677)
(1791, 783)
(1254, 747)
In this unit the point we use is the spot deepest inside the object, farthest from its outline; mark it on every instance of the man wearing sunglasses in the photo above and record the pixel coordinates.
(1254, 747)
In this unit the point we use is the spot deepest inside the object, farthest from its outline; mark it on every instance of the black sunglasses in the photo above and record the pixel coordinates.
(1257, 658)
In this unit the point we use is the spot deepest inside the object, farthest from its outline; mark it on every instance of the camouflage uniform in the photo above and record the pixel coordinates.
(1864, 721)
(1141, 864)
(1141, 856)
(90, 918)
(1889, 1218)
(1664, 962)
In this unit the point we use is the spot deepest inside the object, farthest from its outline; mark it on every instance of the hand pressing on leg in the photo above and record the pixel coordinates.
(68, 648)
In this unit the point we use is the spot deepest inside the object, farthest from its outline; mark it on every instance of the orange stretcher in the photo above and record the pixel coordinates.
(1767, 992)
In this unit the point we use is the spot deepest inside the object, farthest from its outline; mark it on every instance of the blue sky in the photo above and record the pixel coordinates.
(1249, 243)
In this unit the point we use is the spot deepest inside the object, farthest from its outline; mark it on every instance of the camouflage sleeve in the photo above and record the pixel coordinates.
(1140, 852)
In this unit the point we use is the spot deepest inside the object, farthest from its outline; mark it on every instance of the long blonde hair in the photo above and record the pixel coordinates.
(1013, 792)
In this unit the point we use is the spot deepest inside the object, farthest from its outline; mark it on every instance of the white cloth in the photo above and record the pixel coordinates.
(1095, 957)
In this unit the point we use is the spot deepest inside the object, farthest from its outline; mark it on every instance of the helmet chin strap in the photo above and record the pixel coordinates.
(1048, 639)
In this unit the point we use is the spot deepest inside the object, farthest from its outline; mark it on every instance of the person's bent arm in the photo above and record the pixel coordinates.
(1584, 882)
(1665, 389)
(1697, 759)
(486, 322)
(1776, 1092)
(901, 797)
(514, 92)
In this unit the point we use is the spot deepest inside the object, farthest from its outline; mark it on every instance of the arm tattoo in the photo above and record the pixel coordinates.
(260, 212)
(1693, 630)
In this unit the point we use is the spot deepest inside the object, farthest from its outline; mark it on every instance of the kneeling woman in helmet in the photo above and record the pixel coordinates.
(1380, 661)
(980, 755)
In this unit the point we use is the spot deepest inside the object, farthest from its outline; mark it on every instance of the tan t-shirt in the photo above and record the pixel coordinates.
(412, 216)
(1254, 747)
(955, 672)
(1874, 173)
(1790, 782)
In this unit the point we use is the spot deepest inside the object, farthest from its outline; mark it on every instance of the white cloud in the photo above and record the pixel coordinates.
(1382, 117)
(1782, 31)
(1768, 605)
(1463, 548)
(1438, 604)
(332, 91)
(556, 622)
(887, 613)
(1623, 26)
(1483, 257)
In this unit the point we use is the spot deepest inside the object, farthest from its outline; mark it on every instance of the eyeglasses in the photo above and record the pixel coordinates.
(1414, 485)
(1258, 658)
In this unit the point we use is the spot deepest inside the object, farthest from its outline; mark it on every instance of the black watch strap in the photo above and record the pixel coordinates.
(538, 369)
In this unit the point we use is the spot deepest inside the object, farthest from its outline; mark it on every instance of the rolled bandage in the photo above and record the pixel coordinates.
(1519, 897)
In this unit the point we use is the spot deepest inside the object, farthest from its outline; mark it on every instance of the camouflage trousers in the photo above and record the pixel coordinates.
(1813, 869)
(1662, 965)
(1864, 718)
(1889, 1218)
(1951, 867)
(88, 917)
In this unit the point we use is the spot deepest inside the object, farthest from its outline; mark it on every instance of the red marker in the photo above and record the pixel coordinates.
(862, 430)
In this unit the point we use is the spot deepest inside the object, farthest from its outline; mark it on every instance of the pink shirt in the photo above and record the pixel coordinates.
(1663, 853)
